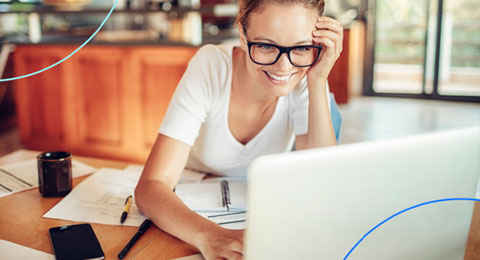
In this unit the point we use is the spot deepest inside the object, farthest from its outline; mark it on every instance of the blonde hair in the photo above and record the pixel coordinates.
(245, 7)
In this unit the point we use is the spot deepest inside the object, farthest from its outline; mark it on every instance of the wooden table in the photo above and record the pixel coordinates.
(21, 223)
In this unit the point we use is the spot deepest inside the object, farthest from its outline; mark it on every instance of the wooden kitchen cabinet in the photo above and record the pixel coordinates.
(43, 110)
(155, 77)
(105, 101)
(100, 89)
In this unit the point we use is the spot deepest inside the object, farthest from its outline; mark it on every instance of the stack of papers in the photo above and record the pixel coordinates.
(20, 176)
(101, 197)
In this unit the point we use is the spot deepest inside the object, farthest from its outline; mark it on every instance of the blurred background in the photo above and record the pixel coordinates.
(407, 67)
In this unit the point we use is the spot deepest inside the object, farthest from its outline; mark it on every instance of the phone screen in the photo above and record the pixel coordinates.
(75, 242)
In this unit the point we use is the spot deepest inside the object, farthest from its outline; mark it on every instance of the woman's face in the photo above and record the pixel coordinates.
(284, 25)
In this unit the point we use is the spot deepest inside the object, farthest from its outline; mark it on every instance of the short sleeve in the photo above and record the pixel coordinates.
(192, 99)
(299, 108)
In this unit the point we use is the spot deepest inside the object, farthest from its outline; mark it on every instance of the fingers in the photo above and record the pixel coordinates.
(326, 42)
(328, 51)
(327, 23)
(228, 252)
(230, 255)
(236, 246)
(330, 40)
(224, 255)
(335, 37)
(329, 34)
(228, 245)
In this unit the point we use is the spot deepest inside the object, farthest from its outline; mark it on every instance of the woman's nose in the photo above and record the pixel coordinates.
(283, 63)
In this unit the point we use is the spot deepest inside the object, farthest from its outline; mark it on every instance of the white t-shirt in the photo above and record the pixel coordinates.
(198, 115)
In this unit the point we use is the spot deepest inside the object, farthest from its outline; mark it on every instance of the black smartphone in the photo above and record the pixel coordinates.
(75, 242)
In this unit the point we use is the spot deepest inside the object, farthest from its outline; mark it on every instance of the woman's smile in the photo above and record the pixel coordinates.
(278, 78)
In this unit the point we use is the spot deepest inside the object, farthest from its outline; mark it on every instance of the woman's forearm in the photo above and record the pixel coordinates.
(159, 203)
(320, 128)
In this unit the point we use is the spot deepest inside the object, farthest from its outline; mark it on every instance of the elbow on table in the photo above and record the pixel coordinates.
(139, 195)
(149, 190)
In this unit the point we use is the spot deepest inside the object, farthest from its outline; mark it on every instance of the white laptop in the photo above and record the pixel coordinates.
(318, 204)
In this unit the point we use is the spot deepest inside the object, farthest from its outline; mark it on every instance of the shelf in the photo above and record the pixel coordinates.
(221, 10)
(77, 40)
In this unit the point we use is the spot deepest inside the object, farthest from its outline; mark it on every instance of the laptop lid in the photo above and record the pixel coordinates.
(318, 204)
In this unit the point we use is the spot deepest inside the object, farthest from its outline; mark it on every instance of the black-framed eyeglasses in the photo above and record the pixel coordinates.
(268, 54)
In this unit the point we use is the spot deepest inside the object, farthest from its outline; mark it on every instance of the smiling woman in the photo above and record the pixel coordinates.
(237, 102)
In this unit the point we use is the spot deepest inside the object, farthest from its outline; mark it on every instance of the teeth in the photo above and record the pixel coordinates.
(275, 77)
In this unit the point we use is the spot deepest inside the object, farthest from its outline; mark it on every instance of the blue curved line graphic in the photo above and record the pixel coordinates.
(400, 212)
(70, 55)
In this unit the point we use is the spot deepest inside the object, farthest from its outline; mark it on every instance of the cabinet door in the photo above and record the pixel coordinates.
(105, 101)
(41, 105)
(100, 102)
(156, 72)
(338, 79)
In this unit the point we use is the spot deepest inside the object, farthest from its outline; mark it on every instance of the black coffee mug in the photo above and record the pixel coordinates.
(54, 173)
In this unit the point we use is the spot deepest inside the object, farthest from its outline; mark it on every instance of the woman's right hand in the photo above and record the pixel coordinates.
(222, 243)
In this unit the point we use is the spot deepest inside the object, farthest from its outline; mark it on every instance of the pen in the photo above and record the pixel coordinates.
(225, 194)
(128, 202)
(141, 230)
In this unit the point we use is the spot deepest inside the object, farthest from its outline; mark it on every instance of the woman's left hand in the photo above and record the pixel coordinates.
(329, 34)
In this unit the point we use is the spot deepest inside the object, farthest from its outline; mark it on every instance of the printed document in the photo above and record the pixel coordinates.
(100, 199)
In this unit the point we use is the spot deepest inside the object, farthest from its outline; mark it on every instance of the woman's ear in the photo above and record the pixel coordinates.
(241, 33)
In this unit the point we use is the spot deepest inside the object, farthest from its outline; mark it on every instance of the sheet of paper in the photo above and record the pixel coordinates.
(188, 176)
(100, 199)
(205, 197)
(230, 220)
(236, 225)
(12, 251)
(240, 178)
(228, 217)
(191, 257)
(134, 167)
(20, 176)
